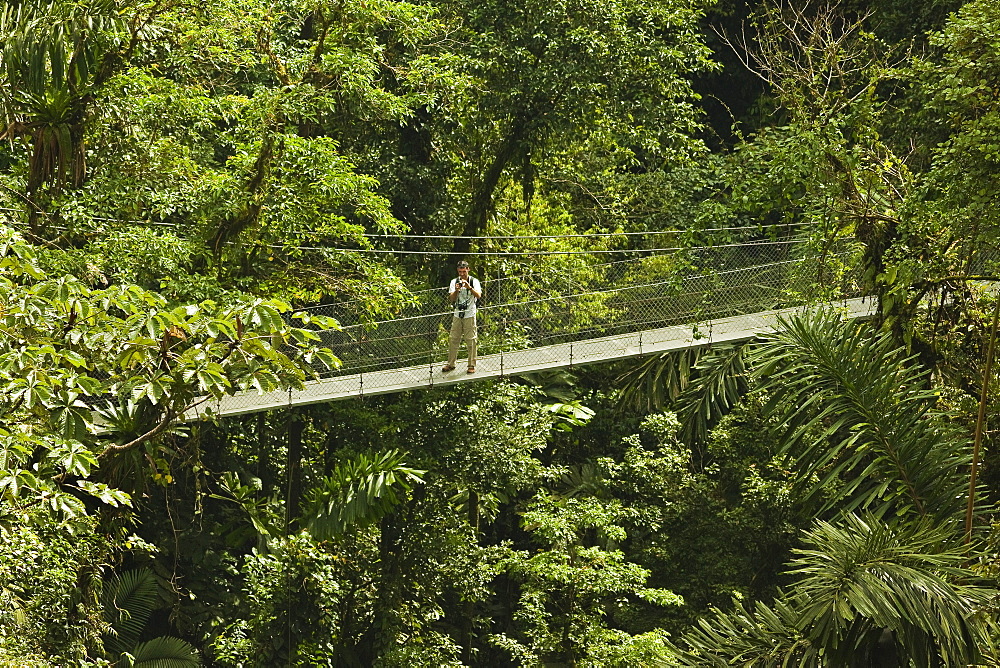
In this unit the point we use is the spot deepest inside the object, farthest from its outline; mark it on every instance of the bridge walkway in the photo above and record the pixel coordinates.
(567, 354)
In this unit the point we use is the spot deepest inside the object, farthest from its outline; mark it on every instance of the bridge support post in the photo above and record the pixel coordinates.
(361, 372)
(430, 356)
(503, 336)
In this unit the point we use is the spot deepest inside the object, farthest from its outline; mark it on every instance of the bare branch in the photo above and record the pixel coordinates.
(815, 59)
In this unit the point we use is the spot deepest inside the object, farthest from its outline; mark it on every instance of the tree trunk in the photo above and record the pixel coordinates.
(512, 147)
(468, 607)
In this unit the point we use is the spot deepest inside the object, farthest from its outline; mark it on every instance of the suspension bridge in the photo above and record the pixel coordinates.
(582, 312)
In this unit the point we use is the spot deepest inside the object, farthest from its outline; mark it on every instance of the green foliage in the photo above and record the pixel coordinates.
(548, 121)
(173, 165)
(757, 637)
(862, 576)
(708, 525)
(93, 377)
(264, 512)
(720, 382)
(570, 414)
(569, 588)
(377, 589)
(54, 56)
(860, 426)
(294, 589)
(485, 438)
(654, 382)
(952, 218)
(128, 600)
(864, 587)
(153, 259)
(358, 492)
(49, 581)
(226, 125)
(704, 383)
(164, 652)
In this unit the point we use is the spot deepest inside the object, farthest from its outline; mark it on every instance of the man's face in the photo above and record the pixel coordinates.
(463, 272)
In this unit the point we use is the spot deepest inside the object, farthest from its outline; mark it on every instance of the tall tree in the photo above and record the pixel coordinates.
(54, 59)
(551, 74)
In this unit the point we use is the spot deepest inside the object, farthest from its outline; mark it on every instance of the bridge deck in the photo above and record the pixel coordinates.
(735, 328)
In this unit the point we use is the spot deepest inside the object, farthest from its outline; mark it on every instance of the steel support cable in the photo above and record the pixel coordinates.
(600, 251)
(579, 235)
(524, 253)
(368, 235)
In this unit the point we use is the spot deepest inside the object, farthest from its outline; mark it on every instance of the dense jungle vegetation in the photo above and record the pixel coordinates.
(178, 177)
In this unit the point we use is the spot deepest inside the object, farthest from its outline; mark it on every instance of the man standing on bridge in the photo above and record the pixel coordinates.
(463, 293)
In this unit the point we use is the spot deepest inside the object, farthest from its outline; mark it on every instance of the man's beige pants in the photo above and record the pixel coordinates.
(462, 328)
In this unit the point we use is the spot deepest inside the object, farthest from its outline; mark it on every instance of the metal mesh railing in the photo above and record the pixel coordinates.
(586, 313)
(595, 300)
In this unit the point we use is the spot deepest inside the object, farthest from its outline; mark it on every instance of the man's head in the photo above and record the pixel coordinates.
(463, 269)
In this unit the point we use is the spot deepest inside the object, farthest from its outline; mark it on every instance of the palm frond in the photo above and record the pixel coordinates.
(581, 480)
(759, 637)
(166, 652)
(359, 491)
(705, 383)
(128, 600)
(860, 582)
(861, 577)
(654, 382)
(720, 383)
(861, 428)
